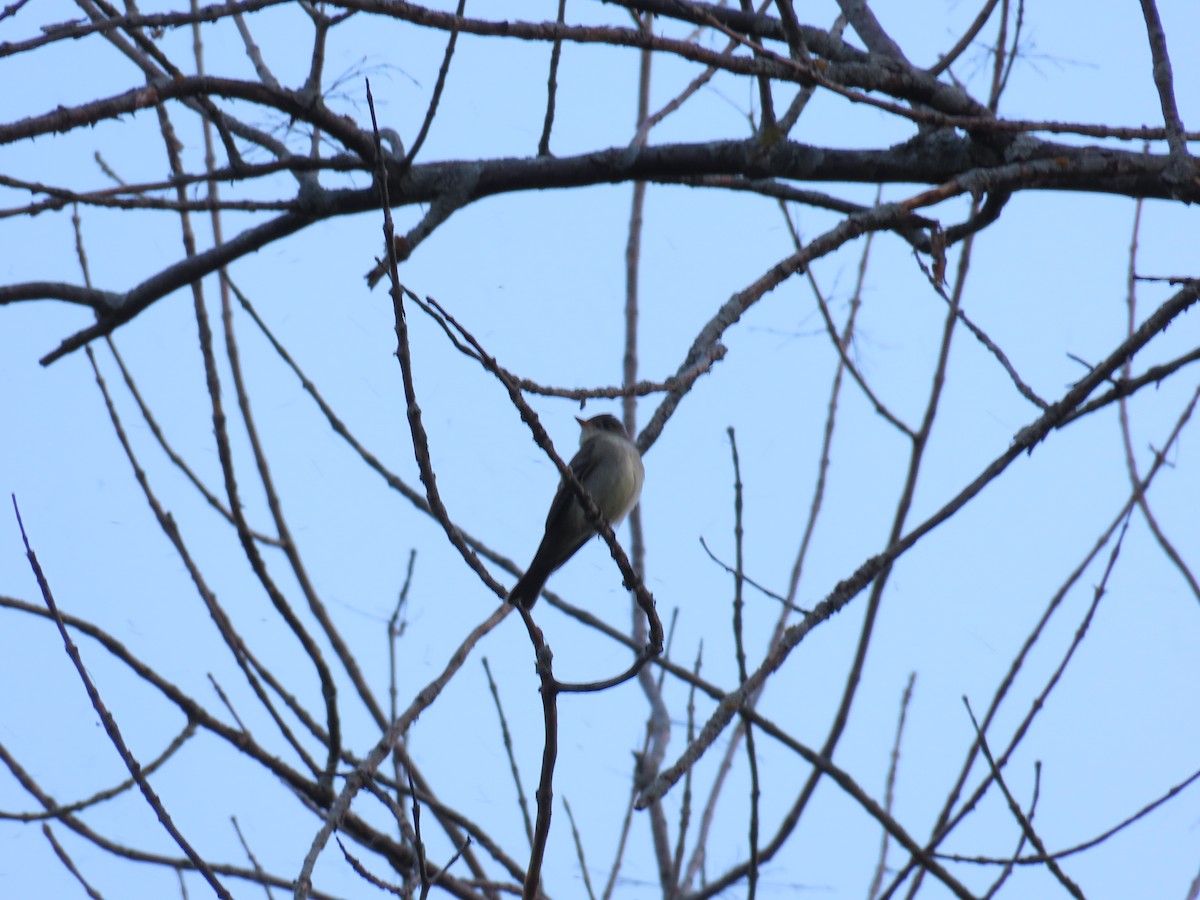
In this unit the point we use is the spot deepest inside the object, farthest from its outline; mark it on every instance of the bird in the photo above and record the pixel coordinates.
(609, 467)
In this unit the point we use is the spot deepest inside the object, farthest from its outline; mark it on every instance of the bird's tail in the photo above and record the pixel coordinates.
(527, 589)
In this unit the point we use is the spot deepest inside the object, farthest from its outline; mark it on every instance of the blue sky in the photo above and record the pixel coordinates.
(539, 279)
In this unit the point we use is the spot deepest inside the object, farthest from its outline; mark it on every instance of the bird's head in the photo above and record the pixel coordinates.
(598, 425)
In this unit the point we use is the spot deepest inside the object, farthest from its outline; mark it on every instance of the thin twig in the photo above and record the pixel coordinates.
(945, 823)
(587, 881)
(420, 439)
(890, 787)
(364, 873)
(357, 779)
(545, 789)
(1023, 839)
(62, 809)
(1160, 536)
(254, 672)
(109, 723)
(632, 581)
(506, 736)
(1180, 171)
(1024, 442)
(1172, 792)
(69, 863)
(552, 85)
(842, 345)
(254, 864)
(434, 99)
(740, 651)
(791, 607)
(947, 59)
(1022, 819)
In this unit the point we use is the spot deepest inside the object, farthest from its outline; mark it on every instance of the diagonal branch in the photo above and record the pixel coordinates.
(1024, 442)
(109, 723)
(1180, 172)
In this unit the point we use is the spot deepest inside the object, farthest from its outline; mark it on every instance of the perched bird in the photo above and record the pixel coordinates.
(609, 467)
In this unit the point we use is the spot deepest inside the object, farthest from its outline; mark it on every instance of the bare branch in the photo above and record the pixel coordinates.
(1181, 171)
(1026, 825)
(110, 724)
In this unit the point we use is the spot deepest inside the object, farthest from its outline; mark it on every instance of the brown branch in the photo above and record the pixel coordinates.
(982, 336)
(356, 780)
(1024, 442)
(188, 732)
(1181, 170)
(291, 103)
(845, 363)
(843, 341)
(767, 130)
(552, 85)
(506, 738)
(249, 665)
(791, 607)
(879, 218)
(1037, 859)
(740, 653)
(178, 461)
(1022, 819)
(258, 869)
(685, 805)
(225, 455)
(863, 21)
(919, 443)
(694, 85)
(1010, 863)
(434, 100)
(945, 822)
(1126, 387)
(947, 59)
(157, 65)
(450, 185)
(133, 196)
(545, 789)
(890, 788)
(419, 437)
(850, 72)
(66, 860)
(1160, 536)
(109, 723)
(578, 841)
(241, 741)
(357, 865)
(632, 581)
(827, 768)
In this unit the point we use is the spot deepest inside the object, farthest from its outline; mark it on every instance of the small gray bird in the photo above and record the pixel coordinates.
(609, 467)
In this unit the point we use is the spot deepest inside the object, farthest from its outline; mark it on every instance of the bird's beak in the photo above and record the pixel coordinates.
(582, 422)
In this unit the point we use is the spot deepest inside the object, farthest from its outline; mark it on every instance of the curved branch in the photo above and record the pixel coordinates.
(958, 164)
(296, 105)
(1026, 439)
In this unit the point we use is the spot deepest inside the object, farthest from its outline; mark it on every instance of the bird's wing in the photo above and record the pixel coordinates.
(582, 464)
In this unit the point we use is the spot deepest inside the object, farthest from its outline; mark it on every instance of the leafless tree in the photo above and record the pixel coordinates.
(726, 775)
